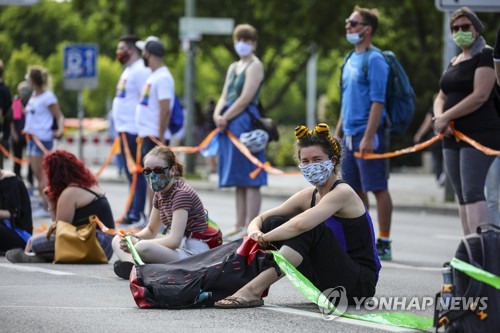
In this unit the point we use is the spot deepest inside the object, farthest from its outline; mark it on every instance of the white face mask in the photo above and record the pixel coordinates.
(353, 38)
(243, 49)
(317, 173)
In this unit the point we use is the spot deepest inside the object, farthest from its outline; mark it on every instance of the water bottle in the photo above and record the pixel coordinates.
(447, 289)
(204, 296)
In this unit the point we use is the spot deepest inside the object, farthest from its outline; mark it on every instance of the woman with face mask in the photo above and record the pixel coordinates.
(235, 111)
(325, 231)
(176, 206)
(466, 101)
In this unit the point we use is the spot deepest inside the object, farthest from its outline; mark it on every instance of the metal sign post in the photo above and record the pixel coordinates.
(191, 29)
(80, 72)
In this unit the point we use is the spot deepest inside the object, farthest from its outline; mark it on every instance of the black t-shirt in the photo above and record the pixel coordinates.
(14, 197)
(482, 125)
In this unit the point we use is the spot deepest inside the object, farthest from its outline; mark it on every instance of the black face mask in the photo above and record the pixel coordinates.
(146, 61)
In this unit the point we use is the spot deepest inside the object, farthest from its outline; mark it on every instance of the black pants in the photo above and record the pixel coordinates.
(325, 263)
(9, 239)
(17, 149)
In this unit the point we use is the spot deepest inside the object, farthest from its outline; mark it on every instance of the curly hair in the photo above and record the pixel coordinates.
(62, 169)
(320, 136)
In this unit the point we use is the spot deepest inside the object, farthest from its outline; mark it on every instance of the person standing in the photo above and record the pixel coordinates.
(466, 99)
(5, 104)
(235, 112)
(157, 99)
(128, 93)
(362, 120)
(41, 112)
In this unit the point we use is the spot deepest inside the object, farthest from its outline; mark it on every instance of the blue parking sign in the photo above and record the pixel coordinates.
(80, 66)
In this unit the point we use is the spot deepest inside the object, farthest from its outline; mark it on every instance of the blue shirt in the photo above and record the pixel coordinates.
(359, 90)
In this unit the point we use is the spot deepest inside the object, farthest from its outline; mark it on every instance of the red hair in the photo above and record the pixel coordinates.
(63, 169)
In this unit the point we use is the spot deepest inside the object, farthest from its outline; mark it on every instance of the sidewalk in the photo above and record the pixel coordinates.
(411, 190)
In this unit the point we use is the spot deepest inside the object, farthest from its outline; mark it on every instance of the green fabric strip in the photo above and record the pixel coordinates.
(476, 273)
(133, 251)
(399, 319)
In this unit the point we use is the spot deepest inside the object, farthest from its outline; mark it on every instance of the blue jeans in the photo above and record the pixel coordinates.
(493, 191)
(139, 200)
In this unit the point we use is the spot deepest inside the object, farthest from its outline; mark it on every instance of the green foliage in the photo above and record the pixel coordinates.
(282, 154)
(18, 64)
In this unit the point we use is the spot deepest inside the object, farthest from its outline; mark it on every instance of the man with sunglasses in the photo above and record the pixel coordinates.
(362, 121)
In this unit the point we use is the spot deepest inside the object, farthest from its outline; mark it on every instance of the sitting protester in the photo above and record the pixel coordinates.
(329, 234)
(16, 225)
(176, 206)
(74, 196)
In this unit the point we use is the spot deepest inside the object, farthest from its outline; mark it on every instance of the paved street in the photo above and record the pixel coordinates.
(88, 298)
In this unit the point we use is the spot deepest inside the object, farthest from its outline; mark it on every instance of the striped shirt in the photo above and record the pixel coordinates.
(181, 196)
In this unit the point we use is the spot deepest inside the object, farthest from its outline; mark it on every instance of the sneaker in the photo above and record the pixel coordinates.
(123, 268)
(130, 223)
(18, 256)
(384, 249)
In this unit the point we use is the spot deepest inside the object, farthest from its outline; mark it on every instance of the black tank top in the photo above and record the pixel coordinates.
(355, 235)
(99, 206)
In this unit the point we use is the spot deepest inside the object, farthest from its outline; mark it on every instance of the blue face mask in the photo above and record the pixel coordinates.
(317, 173)
(354, 38)
(158, 182)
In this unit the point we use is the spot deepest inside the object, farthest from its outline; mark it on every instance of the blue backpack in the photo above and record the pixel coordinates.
(399, 97)
(177, 116)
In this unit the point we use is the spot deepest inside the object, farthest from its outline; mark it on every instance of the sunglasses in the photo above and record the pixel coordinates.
(463, 27)
(354, 23)
(156, 170)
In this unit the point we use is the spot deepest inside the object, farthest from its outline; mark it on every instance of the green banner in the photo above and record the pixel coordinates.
(312, 293)
(133, 251)
(476, 273)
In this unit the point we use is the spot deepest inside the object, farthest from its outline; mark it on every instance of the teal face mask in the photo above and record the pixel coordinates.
(463, 39)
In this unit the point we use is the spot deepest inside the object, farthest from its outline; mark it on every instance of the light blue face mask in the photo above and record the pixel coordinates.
(317, 173)
(353, 38)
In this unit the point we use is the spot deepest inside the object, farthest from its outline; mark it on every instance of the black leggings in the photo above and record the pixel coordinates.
(325, 263)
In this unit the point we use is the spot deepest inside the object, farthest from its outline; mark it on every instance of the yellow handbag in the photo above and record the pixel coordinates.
(78, 244)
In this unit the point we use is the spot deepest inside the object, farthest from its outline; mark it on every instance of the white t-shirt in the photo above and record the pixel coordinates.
(159, 86)
(39, 118)
(128, 92)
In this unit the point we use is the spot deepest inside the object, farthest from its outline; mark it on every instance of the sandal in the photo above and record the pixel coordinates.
(238, 303)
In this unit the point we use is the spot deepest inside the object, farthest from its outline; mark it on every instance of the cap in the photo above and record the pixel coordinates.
(153, 45)
(467, 12)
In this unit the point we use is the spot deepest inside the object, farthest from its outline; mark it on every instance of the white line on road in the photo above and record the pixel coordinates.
(403, 266)
(34, 269)
(386, 328)
(91, 308)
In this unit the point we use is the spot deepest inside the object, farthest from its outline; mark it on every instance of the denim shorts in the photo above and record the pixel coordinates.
(33, 150)
(365, 175)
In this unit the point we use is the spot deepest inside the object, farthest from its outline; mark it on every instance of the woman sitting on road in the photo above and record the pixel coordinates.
(331, 243)
(74, 195)
(175, 205)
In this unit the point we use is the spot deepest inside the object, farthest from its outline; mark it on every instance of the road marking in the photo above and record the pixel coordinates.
(34, 269)
(447, 237)
(92, 308)
(403, 266)
(349, 321)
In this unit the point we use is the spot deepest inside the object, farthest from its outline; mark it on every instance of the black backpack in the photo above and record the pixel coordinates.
(482, 310)
(199, 280)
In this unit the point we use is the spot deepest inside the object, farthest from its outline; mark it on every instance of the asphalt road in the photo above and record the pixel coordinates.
(89, 298)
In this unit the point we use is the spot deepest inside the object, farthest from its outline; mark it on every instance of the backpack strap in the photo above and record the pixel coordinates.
(366, 56)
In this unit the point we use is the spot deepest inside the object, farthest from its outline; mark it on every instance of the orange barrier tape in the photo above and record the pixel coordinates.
(475, 144)
(12, 157)
(115, 149)
(260, 166)
(412, 149)
(41, 229)
(197, 149)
